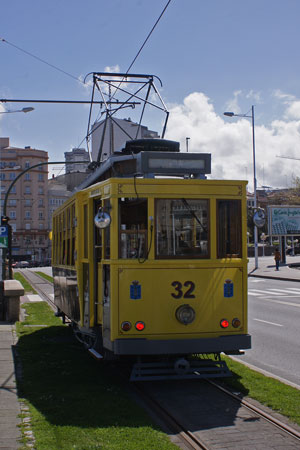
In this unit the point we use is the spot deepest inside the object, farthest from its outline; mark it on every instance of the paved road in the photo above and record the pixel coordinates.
(274, 316)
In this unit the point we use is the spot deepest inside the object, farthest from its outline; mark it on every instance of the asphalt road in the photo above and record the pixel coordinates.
(274, 318)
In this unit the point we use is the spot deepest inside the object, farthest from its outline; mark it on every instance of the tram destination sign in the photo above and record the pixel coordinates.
(284, 220)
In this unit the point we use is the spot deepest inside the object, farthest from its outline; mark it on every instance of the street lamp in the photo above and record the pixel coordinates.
(24, 110)
(231, 114)
(5, 219)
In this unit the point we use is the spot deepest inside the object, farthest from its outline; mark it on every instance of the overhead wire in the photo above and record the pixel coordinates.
(149, 34)
(41, 60)
(144, 43)
(78, 79)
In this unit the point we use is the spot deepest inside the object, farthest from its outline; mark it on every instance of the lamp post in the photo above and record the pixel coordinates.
(231, 114)
(5, 218)
(24, 110)
(5, 227)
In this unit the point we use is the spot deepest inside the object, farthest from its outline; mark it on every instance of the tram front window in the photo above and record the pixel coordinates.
(182, 228)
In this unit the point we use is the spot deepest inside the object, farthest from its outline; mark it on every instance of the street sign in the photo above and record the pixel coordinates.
(284, 220)
(3, 236)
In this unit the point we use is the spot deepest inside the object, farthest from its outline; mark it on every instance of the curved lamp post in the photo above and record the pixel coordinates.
(24, 110)
(5, 218)
(231, 114)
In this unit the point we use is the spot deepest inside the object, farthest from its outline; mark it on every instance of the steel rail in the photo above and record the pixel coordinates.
(268, 417)
(186, 436)
(35, 285)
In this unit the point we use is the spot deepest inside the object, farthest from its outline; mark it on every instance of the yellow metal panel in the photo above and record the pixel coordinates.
(202, 289)
(196, 188)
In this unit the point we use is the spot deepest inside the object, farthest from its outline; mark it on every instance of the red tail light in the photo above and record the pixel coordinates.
(224, 323)
(140, 326)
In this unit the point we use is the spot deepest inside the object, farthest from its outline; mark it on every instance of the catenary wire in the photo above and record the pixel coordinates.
(144, 43)
(78, 79)
(42, 60)
(149, 34)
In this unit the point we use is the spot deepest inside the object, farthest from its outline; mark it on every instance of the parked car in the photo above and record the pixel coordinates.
(22, 264)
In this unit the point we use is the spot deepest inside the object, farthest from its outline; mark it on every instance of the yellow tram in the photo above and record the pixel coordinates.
(150, 259)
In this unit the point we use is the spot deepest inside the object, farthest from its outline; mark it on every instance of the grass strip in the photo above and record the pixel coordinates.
(44, 275)
(27, 287)
(76, 402)
(278, 396)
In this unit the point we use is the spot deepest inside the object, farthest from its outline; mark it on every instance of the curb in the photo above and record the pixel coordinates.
(273, 278)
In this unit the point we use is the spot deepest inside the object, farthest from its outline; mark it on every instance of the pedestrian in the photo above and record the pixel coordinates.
(277, 257)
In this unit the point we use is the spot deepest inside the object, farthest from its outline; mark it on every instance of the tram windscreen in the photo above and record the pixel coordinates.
(229, 225)
(182, 228)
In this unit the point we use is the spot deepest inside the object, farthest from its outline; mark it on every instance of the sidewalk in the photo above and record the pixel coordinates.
(9, 404)
(266, 268)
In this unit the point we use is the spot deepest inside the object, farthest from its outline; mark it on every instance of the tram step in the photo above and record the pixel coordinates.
(180, 370)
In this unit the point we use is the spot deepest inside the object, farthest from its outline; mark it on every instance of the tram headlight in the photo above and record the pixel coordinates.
(185, 314)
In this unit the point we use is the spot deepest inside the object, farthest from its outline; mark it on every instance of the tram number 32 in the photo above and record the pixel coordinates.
(184, 290)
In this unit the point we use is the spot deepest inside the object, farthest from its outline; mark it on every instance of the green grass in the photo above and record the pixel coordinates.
(268, 391)
(27, 287)
(44, 275)
(76, 402)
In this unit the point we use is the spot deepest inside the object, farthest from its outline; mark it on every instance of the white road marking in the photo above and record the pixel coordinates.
(294, 289)
(270, 323)
(266, 292)
(282, 303)
(285, 291)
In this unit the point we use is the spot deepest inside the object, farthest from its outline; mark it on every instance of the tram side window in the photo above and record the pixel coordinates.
(229, 223)
(182, 228)
(85, 231)
(133, 227)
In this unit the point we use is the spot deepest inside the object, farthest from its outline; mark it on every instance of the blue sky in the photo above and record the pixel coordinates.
(211, 57)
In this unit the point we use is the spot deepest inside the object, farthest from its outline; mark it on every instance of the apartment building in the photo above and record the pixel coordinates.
(27, 202)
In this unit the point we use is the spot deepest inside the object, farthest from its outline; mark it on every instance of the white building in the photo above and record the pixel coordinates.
(77, 154)
(117, 132)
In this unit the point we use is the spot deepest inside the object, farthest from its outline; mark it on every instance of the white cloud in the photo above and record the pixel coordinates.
(293, 110)
(112, 69)
(229, 140)
(232, 104)
(282, 95)
(256, 96)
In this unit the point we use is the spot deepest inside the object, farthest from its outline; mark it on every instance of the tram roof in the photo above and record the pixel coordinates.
(149, 158)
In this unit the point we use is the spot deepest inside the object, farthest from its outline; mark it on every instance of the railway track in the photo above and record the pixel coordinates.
(226, 421)
(43, 287)
(202, 414)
